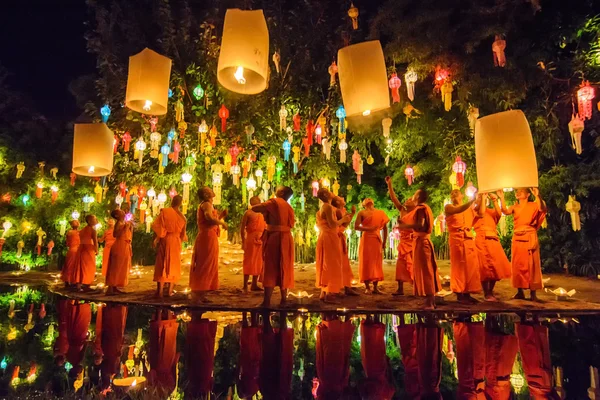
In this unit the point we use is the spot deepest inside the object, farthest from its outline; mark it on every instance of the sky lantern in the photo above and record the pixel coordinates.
(585, 95)
(504, 152)
(363, 78)
(92, 150)
(244, 57)
(148, 83)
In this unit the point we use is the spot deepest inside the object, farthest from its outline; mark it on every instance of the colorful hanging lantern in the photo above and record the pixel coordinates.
(271, 160)
(251, 186)
(198, 92)
(202, 131)
(336, 188)
(259, 176)
(576, 127)
(325, 183)
(318, 133)
(573, 207)
(235, 172)
(310, 130)
(54, 193)
(234, 151)
(140, 146)
(154, 144)
(39, 187)
(353, 14)
(585, 95)
(6, 225)
(315, 188)
(411, 78)
(327, 148)
(498, 48)
(343, 146)
(223, 114)
(172, 193)
(148, 83)
(286, 150)
(213, 137)
(105, 112)
(249, 130)
(283, 113)
(470, 190)
(472, 115)
(87, 200)
(460, 168)
(296, 158)
(332, 70)
(296, 119)
(394, 83)
(340, 113)
(279, 168)
(363, 78)
(409, 174)
(244, 56)
(164, 156)
(306, 145)
(186, 178)
(447, 89)
(92, 150)
(126, 141)
(386, 123)
(440, 76)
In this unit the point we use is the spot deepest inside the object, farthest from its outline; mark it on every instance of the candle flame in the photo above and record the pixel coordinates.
(147, 105)
(134, 382)
(91, 169)
(239, 75)
(366, 112)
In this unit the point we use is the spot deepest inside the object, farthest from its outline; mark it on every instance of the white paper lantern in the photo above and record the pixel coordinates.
(244, 57)
(504, 152)
(92, 150)
(363, 78)
(148, 83)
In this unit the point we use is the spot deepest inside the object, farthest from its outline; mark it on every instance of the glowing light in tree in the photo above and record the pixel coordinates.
(198, 92)
(460, 168)
(409, 174)
(25, 199)
(470, 190)
(105, 112)
(394, 83)
(585, 95)
(6, 225)
(75, 215)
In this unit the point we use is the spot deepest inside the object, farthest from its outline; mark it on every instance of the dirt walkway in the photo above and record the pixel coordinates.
(230, 297)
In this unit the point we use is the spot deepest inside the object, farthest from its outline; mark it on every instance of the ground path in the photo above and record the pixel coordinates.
(141, 291)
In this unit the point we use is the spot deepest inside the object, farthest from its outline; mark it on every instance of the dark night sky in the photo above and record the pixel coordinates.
(43, 47)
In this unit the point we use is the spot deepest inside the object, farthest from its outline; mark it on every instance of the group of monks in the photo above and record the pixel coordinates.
(484, 352)
(79, 269)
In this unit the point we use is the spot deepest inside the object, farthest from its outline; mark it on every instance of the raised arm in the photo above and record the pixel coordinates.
(480, 207)
(208, 209)
(538, 199)
(496, 204)
(451, 209)
(505, 210)
(393, 197)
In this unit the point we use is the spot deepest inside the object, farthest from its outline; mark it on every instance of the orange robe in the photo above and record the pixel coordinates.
(278, 243)
(407, 337)
(526, 263)
(169, 227)
(429, 358)
(200, 357)
(535, 356)
(425, 269)
(85, 269)
(61, 345)
(68, 270)
(347, 274)
(329, 255)
(250, 351)
(109, 240)
(334, 340)
(119, 265)
(501, 351)
(114, 317)
(253, 257)
(277, 363)
(370, 251)
(404, 265)
(464, 264)
(375, 362)
(204, 270)
(493, 264)
(470, 360)
(163, 354)
(78, 322)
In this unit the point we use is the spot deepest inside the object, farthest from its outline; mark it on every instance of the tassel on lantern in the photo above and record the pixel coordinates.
(343, 146)
(360, 172)
(498, 48)
(447, 89)
(386, 123)
(576, 127)
(277, 61)
(126, 141)
(394, 84)
(472, 115)
(50, 246)
(353, 14)
(20, 169)
(271, 167)
(327, 148)
(573, 207)
(333, 70)
(296, 158)
(283, 113)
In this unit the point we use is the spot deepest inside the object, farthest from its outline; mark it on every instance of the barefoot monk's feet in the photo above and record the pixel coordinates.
(256, 288)
(520, 295)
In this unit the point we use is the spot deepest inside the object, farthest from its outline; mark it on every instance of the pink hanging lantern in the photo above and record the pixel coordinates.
(315, 188)
(394, 84)
(460, 168)
(234, 151)
(409, 173)
(585, 95)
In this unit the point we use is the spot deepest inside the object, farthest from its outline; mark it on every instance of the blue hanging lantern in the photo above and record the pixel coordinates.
(171, 135)
(286, 150)
(341, 114)
(25, 199)
(105, 111)
(170, 93)
(3, 364)
(165, 150)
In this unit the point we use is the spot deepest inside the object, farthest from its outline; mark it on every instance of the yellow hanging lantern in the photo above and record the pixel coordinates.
(92, 150)
(148, 83)
(573, 207)
(363, 78)
(504, 152)
(244, 58)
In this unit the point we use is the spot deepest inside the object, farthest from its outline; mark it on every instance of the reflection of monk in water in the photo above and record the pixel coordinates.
(429, 358)
(78, 322)
(277, 363)
(250, 352)
(334, 340)
(501, 350)
(111, 334)
(163, 355)
(376, 364)
(200, 355)
(470, 358)
(407, 338)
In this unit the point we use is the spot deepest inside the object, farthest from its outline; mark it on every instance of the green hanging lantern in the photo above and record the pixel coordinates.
(198, 92)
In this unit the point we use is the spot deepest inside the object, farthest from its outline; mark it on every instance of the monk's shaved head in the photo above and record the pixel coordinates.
(254, 200)
(338, 202)
(205, 193)
(176, 202)
(284, 192)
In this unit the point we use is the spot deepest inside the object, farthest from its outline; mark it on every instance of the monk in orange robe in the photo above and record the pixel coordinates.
(329, 249)
(470, 359)
(426, 281)
(67, 274)
(163, 355)
(501, 351)
(250, 352)
(277, 361)
(464, 264)
(493, 264)
(114, 317)
(278, 244)
(251, 230)
(535, 356)
(370, 251)
(119, 265)
(407, 338)
(108, 239)
(334, 340)
(78, 323)
(200, 355)
(404, 265)
(429, 357)
(204, 269)
(347, 276)
(169, 230)
(528, 218)
(85, 270)
(375, 362)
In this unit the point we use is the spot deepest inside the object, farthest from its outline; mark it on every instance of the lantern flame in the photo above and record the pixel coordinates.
(134, 382)
(366, 112)
(239, 75)
(91, 169)
(147, 105)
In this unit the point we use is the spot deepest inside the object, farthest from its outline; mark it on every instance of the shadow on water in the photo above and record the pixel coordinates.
(56, 347)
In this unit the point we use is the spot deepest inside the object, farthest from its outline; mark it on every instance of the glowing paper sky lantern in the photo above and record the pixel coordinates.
(504, 152)
(148, 82)
(363, 78)
(244, 58)
(92, 150)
